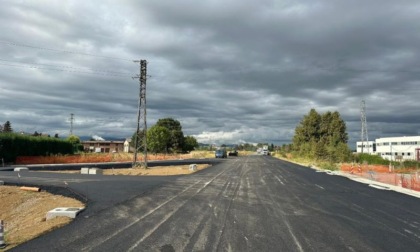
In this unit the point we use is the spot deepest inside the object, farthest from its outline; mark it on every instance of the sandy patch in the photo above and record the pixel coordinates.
(24, 213)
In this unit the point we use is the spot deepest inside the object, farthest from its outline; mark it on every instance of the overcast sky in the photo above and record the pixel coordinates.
(230, 71)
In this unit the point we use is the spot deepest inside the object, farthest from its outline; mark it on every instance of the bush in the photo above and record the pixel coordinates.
(370, 159)
(410, 164)
(328, 166)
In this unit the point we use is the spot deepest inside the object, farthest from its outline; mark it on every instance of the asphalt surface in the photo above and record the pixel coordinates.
(254, 203)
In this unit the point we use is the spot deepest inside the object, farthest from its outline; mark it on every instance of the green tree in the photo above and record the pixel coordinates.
(73, 139)
(190, 143)
(177, 136)
(158, 138)
(7, 127)
(308, 131)
(322, 137)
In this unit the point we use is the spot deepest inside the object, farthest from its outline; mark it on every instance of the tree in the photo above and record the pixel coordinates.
(56, 135)
(73, 139)
(1, 128)
(190, 143)
(308, 131)
(322, 137)
(158, 138)
(7, 127)
(177, 136)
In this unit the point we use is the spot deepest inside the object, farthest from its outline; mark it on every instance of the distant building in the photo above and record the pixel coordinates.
(368, 147)
(103, 146)
(127, 145)
(399, 148)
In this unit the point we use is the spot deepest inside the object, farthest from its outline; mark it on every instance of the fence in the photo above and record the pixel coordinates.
(409, 179)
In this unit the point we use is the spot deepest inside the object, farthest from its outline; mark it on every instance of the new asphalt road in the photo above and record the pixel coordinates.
(254, 203)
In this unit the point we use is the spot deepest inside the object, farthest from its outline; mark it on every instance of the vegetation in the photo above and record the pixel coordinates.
(190, 143)
(176, 140)
(7, 128)
(321, 137)
(165, 136)
(13, 145)
(369, 159)
(158, 138)
(365, 158)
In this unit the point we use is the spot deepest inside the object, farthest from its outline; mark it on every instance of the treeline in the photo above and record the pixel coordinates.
(13, 145)
(321, 137)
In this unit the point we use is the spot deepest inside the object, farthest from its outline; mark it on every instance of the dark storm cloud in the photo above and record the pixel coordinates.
(230, 71)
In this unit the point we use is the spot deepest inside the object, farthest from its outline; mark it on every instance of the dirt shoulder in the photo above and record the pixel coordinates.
(153, 171)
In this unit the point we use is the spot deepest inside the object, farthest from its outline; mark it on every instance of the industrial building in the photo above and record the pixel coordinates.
(393, 148)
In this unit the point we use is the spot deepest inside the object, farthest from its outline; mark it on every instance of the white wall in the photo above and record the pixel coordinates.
(367, 147)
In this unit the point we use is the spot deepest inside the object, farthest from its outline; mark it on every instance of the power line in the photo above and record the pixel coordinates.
(61, 51)
(66, 68)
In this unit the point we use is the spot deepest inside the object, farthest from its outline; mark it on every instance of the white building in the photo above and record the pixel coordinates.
(399, 148)
(369, 147)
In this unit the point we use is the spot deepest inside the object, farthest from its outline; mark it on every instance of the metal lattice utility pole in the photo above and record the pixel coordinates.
(141, 116)
(71, 123)
(364, 133)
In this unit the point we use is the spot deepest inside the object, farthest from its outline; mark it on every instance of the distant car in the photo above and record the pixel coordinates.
(233, 153)
(266, 153)
(221, 153)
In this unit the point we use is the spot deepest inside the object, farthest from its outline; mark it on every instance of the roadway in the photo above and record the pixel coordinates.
(254, 203)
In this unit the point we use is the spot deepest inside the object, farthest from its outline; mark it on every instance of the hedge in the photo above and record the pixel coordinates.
(13, 145)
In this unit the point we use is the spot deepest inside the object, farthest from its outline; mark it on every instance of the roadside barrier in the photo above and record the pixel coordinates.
(385, 174)
(2, 243)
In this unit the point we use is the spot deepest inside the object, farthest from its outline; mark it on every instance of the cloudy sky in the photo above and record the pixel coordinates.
(230, 71)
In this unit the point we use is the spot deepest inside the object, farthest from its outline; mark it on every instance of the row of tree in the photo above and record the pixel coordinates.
(166, 136)
(322, 137)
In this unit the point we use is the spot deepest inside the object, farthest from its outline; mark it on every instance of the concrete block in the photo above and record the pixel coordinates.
(70, 212)
(84, 170)
(21, 169)
(193, 167)
(95, 171)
